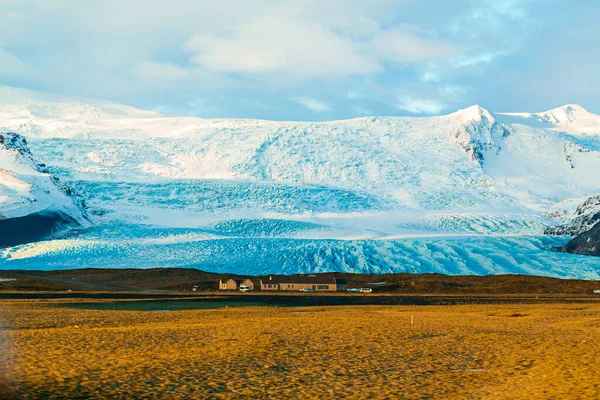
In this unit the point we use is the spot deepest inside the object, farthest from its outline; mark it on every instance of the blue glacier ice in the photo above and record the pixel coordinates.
(466, 193)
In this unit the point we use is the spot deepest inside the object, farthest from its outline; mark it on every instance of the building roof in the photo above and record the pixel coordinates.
(300, 279)
(237, 281)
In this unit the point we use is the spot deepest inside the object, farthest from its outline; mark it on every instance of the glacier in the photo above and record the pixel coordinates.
(471, 192)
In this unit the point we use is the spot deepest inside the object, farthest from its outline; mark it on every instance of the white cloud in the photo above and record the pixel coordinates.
(430, 76)
(420, 106)
(15, 16)
(313, 104)
(156, 70)
(406, 45)
(452, 91)
(351, 53)
(266, 46)
(469, 61)
(310, 50)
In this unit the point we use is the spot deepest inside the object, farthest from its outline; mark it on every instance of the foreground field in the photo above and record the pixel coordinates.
(465, 351)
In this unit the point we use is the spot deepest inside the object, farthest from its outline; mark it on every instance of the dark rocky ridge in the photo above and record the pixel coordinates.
(10, 141)
(16, 142)
(587, 243)
(479, 137)
(586, 215)
(39, 225)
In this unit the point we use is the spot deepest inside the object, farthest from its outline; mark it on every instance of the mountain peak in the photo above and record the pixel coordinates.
(571, 118)
(566, 113)
(572, 108)
(475, 113)
(16, 145)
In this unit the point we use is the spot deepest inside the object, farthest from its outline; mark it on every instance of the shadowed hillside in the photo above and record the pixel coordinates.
(587, 243)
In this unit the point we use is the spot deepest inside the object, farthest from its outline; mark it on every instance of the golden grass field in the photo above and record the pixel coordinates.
(464, 351)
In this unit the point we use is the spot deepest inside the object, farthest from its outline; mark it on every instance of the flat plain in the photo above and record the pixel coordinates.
(51, 349)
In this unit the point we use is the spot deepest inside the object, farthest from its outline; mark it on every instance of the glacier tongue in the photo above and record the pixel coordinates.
(468, 192)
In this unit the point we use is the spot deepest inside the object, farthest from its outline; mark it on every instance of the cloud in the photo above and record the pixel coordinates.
(419, 106)
(15, 16)
(452, 91)
(266, 46)
(157, 70)
(313, 104)
(475, 59)
(430, 76)
(249, 59)
(407, 45)
(309, 50)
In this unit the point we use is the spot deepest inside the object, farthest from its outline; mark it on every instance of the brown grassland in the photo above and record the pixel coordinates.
(458, 351)
(183, 279)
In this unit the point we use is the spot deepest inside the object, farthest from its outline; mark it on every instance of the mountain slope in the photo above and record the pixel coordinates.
(468, 192)
(43, 115)
(461, 159)
(586, 243)
(571, 118)
(33, 203)
(581, 220)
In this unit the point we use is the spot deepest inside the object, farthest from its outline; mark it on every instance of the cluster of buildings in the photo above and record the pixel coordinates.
(288, 283)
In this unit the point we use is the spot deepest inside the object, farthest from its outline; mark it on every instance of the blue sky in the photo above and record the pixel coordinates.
(307, 59)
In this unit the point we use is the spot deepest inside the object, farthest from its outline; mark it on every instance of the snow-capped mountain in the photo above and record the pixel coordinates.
(581, 220)
(571, 118)
(35, 114)
(468, 192)
(477, 132)
(33, 203)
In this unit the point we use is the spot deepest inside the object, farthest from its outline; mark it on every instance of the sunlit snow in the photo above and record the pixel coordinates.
(467, 193)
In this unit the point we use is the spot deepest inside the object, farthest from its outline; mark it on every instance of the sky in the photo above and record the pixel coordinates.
(307, 59)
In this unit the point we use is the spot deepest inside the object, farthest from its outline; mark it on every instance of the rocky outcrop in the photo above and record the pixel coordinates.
(585, 216)
(571, 148)
(33, 203)
(477, 132)
(587, 243)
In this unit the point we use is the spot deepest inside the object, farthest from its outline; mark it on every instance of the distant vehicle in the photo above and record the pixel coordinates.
(244, 288)
(366, 290)
(307, 290)
(353, 290)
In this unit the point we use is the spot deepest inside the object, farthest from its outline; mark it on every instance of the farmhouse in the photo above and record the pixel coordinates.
(234, 284)
(296, 283)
